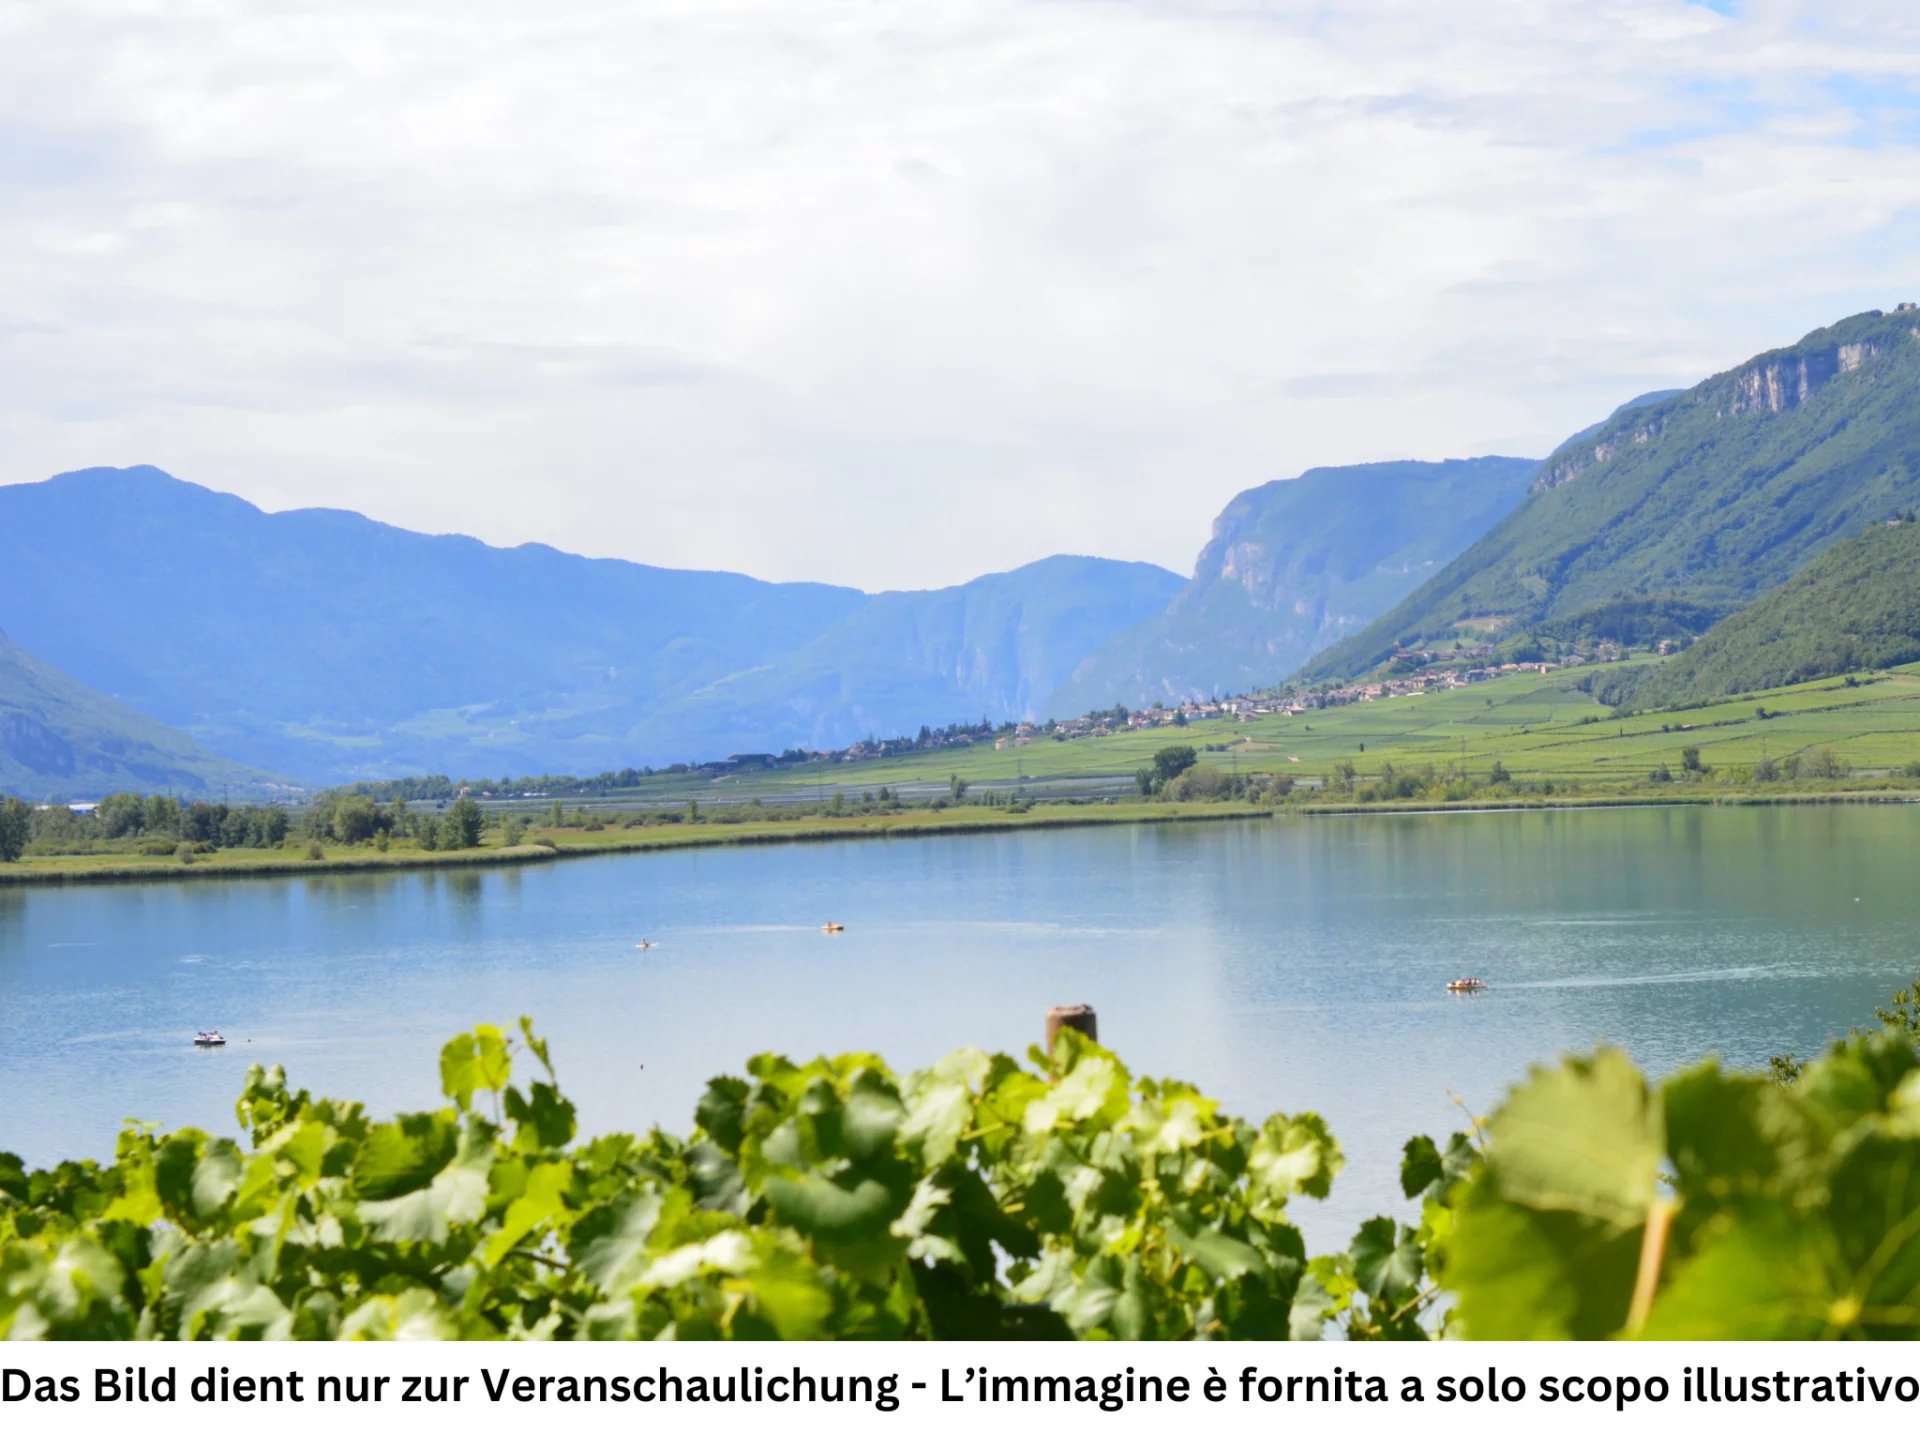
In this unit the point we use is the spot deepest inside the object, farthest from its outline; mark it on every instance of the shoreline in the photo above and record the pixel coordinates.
(668, 838)
(717, 837)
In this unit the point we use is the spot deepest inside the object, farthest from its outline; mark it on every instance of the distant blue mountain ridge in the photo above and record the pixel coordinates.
(331, 647)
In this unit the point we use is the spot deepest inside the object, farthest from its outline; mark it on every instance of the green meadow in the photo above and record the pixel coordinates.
(1537, 726)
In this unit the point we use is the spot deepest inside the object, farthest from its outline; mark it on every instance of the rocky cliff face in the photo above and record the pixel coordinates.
(1707, 497)
(1292, 566)
(1777, 384)
(1567, 466)
(1770, 384)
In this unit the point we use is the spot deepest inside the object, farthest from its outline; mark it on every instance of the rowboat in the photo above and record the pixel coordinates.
(1468, 985)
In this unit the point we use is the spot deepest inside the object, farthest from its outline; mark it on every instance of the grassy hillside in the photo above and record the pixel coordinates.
(1293, 566)
(1853, 608)
(1710, 497)
(1538, 727)
(59, 739)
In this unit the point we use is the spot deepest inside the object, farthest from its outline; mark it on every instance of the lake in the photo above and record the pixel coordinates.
(1280, 965)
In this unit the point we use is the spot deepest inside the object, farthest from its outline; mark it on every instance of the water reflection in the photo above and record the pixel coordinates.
(1281, 965)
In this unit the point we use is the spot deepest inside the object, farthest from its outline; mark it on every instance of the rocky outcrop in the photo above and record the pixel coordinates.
(1770, 384)
(1566, 468)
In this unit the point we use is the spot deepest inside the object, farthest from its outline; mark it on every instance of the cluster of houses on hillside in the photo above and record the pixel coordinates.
(1247, 707)
(1448, 680)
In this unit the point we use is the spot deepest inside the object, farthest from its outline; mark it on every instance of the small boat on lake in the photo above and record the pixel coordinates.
(833, 927)
(1467, 985)
(208, 1039)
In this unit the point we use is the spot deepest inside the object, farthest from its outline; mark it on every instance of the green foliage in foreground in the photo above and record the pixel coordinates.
(986, 1199)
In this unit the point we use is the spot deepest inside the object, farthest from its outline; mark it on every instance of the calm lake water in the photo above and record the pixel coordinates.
(1294, 964)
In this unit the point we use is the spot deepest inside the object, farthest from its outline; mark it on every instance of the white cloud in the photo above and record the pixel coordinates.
(893, 294)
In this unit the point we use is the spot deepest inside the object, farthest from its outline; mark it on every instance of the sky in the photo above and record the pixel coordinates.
(892, 295)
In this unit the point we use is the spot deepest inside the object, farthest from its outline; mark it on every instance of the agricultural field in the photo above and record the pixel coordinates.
(1539, 727)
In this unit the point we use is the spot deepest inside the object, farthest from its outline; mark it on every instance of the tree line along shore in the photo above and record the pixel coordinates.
(1529, 740)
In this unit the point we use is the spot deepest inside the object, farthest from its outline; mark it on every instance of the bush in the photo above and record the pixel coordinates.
(983, 1198)
(1198, 783)
(184, 853)
(315, 851)
(1276, 789)
(1822, 764)
(977, 1199)
(1715, 1205)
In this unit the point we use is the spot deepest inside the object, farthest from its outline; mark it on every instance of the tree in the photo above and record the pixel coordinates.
(121, 814)
(957, 788)
(236, 827)
(1170, 761)
(461, 827)
(354, 820)
(15, 819)
(270, 826)
(1690, 759)
(162, 814)
(203, 822)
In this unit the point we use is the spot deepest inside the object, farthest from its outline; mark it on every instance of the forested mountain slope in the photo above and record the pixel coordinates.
(1709, 497)
(1853, 608)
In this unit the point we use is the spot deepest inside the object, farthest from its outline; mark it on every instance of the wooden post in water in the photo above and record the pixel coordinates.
(1071, 1017)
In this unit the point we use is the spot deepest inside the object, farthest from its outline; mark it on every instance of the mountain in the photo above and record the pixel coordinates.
(334, 647)
(997, 646)
(1853, 608)
(1708, 497)
(1294, 565)
(58, 739)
